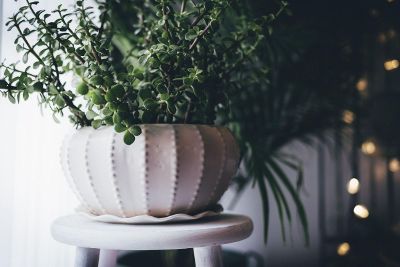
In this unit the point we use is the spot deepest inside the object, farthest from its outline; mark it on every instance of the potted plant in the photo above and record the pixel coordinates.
(159, 85)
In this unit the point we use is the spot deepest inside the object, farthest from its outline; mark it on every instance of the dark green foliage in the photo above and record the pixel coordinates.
(167, 62)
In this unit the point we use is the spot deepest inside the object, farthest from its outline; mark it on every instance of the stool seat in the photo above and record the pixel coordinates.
(209, 232)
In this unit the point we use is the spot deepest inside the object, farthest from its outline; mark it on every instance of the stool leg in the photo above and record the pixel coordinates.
(108, 258)
(86, 257)
(208, 256)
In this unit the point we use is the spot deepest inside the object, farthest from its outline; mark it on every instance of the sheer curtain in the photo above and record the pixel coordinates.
(32, 188)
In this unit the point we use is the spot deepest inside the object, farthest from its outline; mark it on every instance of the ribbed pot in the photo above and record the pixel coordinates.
(169, 169)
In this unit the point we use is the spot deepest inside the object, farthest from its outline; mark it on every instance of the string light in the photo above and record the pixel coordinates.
(353, 186)
(362, 85)
(368, 147)
(394, 165)
(390, 1)
(382, 38)
(391, 64)
(343, 249)
(361, 211)
(348, 116)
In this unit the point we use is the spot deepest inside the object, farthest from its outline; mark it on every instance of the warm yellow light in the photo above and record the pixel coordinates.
(353, 186)
(394, 165)
(382, 38)
(348, 116)
(391, 64)
(390, 1)
(361, 211)
(362, 84)
(368, 147)
(343, 249)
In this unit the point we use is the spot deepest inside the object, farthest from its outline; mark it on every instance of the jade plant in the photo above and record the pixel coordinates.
(165, 61)
(175, 66)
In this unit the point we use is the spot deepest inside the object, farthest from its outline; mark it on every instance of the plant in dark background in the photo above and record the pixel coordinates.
(221, 62)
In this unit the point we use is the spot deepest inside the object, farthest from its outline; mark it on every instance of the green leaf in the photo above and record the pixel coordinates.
(129, 138)
(164, 97)
(96, 80)
(148, 116)
(25, 95)
(138, 74)
(53, 89)
(150, 104)
(59, 100)
(11, 98)
(191, 35)
(119, 128)
(112, 106)
(97, 98)
(298, 166)
(107, 111)
(3, 84)
(117, 91)
(108, 81)
(280, 200)
(25, 57)
(38, 86)
(96, 124)
(123, 108)
(55, 118)
(171, 107)
(36, 65)
(145, 94)
(110, 97)
(19, 48)
(82, 88)
(295, 195)
(135, 130)
(265, 203)
(109, 120)
(116, 118)
(90, 114)
(162, 88)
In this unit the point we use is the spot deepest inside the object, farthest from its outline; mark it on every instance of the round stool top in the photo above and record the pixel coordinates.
(215, 230)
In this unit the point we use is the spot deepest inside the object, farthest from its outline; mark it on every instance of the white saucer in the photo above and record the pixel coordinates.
(148, 219)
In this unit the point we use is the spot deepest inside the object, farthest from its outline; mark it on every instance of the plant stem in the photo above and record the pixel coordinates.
(17, 70)
(187, 113)
(183, 6)
(31, 50)
(166, 23)
(103, 21)
(198, 19)
(50, 32)
(200, 36)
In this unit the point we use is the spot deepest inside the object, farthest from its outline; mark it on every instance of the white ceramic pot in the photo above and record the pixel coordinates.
(169, 169)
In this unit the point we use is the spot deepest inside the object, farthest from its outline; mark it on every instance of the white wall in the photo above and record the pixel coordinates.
(32, 188)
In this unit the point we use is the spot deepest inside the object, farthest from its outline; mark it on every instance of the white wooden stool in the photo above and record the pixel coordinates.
(98, 243)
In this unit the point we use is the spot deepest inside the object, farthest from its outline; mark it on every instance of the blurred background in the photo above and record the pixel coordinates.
(349, 52)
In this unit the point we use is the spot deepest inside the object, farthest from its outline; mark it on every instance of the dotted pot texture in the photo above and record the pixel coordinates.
(169, 169)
